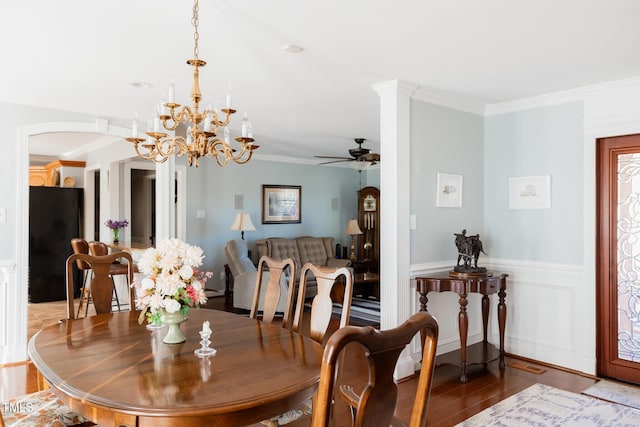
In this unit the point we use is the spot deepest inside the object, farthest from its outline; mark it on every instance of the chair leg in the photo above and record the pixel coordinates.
(84, 294)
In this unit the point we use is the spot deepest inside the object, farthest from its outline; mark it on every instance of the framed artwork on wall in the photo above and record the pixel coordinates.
(281, 204)
(530, 192)
(449, 191)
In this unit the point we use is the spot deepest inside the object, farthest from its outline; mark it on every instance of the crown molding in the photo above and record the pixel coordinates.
(475, 106)
(572, 95)
(456, 102)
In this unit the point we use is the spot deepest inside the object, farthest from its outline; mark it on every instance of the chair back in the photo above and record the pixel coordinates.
(101, 281)
(272, 294)
(80, 246)
(98, 248)
(322, 304)
(237, 255)
(376, 403)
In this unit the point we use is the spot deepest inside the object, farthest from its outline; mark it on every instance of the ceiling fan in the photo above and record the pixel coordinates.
(357, 155)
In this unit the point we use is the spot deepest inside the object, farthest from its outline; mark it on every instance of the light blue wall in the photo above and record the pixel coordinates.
(543, 141)
(449, 141)
(213, 189)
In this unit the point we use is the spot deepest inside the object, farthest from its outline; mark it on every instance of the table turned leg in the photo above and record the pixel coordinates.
(423, 307)
(485, 317)
(502, 317)
(463, 326)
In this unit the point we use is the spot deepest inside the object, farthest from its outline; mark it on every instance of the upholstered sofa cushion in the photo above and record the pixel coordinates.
(316, 250)
(283, 249)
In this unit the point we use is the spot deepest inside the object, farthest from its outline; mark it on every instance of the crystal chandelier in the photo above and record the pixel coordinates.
(203, 126)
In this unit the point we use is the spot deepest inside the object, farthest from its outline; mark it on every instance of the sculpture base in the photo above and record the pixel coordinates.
(477, 272)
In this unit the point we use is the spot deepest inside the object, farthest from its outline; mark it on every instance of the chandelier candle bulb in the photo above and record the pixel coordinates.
(134, 128)
(245, 126)
(164, 110)
(249, 130)
(229, 97)
(172, 93)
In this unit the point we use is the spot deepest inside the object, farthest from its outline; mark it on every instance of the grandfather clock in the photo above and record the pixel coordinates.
(369, 222)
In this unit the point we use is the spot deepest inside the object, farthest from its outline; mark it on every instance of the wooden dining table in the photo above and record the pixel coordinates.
(116, 372)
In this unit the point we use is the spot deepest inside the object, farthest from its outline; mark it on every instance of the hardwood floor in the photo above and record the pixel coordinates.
(451, 401)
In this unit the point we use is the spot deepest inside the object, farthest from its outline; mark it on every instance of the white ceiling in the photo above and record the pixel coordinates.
(82, 55)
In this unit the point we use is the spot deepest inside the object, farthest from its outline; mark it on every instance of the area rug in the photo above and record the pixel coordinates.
(615, 392)
(363, 311)
(542, 405)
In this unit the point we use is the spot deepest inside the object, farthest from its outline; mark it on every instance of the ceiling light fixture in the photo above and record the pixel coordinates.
(201, 137)
(143, 85)
(291, 48)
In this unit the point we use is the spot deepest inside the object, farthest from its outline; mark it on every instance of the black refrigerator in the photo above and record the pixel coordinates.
(55, 217)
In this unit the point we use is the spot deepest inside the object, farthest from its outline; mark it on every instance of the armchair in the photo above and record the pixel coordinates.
(245, 275)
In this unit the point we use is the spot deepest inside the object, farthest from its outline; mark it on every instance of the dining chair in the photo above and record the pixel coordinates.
(322, 306)
(81, 246)
(376, 403)
(41, 408)
(101, 285)
(97, 248)
(320, 312)
(267, 297)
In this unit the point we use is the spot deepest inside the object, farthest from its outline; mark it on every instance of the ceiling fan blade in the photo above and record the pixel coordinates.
(333, 157)
(335, 161)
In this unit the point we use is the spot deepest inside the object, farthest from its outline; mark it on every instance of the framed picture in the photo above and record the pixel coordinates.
(530, 192)
(449, 191)
(281, 204)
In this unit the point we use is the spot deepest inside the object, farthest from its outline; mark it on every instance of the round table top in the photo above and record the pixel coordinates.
(112, 363)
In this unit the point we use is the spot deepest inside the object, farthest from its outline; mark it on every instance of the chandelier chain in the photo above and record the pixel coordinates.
(195, 21)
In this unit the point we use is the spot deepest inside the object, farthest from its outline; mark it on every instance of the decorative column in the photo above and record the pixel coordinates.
(395, 150)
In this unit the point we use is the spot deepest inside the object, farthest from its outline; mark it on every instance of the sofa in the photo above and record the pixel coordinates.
(245, 274)
(316, 250)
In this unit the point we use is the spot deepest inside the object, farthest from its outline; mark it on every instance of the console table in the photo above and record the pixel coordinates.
(463, 286)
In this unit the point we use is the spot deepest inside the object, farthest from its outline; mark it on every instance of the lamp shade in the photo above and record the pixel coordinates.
(352, 228)
(242, 223)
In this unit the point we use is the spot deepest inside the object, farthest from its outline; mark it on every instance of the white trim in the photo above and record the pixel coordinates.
(127, 190)
(556, 98)
(17, 336)
(395, 177)
(476, 106)
(457, 102)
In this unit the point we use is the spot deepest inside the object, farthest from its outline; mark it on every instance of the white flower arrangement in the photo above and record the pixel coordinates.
(172, 280)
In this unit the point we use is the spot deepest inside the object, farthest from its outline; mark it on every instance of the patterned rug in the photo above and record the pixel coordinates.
(616, 392)
(541, 405)
(363, 311)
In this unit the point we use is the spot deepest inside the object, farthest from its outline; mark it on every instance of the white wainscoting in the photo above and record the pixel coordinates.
(13, 313)
(550, 312)
(6, 271)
